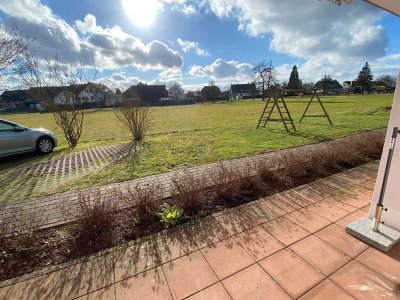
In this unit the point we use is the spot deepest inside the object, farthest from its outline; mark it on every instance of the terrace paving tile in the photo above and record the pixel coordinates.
(188, 275)
(351, 218)
(173, 245)
(342, 205)
(215, 292)
(253, 283)
(307, 220)
(363, 283)
(327, 290)
(5, 292)
(385, 264)
(339, 239)
(300, 199)
(320, 255)
(328, 211)
(291, 272)
(354, 198)
(148, 285)
(88, 276)
(366, 208)
(285, 231)
(107, 293)
(258, 243)
(135, 259)
(206, 233)
(281, 205)
(234, 222)
(42, 287)
(227, 257)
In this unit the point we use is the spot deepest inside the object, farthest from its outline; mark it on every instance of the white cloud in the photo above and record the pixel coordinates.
(109, 48)
(170, 75)
(223, 70)
(119, 80)
(189, 46)
(308, 28)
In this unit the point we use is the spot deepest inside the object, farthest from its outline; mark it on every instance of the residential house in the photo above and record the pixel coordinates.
(148, 94)
(91, 94)
(21, 100)
(210, 93)
(14, 100)
(243, 91)
(328, 87)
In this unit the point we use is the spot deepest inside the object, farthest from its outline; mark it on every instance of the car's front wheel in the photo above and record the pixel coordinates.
(44, 145)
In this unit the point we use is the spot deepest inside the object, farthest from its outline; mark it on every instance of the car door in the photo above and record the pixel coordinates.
(13, 140)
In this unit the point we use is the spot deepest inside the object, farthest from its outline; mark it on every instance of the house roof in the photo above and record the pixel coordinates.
(210, 88)
(331, 84)
(46, 91)
(14, 96)
(146, 92)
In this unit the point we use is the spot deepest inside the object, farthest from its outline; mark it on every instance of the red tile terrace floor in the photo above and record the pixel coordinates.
(289, 246)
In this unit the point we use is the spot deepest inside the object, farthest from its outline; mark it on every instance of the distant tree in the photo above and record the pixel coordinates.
(308, 86)
(326, 82)
(211, 82)
(253, 90)
(176, 91)
(15, 54)
(210, 92)
(365, 78)
(266, 76)
(294, 80)
(387, 80)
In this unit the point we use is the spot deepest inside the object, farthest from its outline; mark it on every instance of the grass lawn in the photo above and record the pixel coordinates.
(191, 135)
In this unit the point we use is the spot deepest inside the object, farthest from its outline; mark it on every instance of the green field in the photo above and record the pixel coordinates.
(191, 135)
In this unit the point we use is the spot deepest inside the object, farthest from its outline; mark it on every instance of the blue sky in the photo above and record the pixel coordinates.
(193, 42)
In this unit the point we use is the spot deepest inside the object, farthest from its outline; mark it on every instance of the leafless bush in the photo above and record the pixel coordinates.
(188, 192)
(251, 183)
(134, 117)
(145, 201)
(61, 88)
(15, 54)
(226, 183)
(93, 229)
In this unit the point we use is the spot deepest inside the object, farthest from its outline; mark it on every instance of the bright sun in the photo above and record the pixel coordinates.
(141, 12)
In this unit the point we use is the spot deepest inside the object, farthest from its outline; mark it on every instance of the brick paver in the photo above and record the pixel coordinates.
(196, 262)
(51, 209)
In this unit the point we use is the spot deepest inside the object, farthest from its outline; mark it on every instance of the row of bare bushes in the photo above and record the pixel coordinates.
(110, 218)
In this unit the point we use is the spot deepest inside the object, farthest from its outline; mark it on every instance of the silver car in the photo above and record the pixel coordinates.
(15, 139)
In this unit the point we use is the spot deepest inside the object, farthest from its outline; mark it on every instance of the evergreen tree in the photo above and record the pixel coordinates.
(365, 78)
(294, 80)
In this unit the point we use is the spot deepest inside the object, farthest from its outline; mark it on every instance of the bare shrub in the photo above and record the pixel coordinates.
(251, 184)
(59, 87)
(226, 183)
(188, 191)
(145, 201)
(93, 229)
(135, 118)
(15, 54)
(275, 172)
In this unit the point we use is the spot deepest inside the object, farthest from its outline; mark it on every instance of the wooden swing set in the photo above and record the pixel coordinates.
(277, 101)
